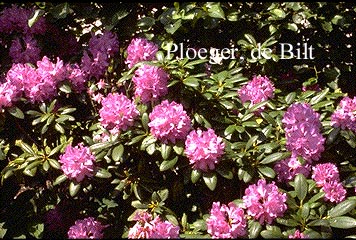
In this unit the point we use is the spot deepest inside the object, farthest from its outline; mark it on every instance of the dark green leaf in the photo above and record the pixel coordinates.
(60, 179)
(301, 186)
(343, 222)
(342, 208)
(192, 82)
(102, 173)
(168, 164)
(210, 180)
(74, 188)
(195, 175)
(267, 171)
(117, 152)
(16, 112)
(254, 229)
(275, 157)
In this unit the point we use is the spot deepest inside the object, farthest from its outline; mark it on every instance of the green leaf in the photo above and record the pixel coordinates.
(278, 13)
(163, 194)
(210, 180)
(65, 88)
(268, 118)
(195, 175)
(16, 112)
(287, 222)
(74, 188)
(102, 173)
(224, 172)
(342, 208)
(145, 120)
(151, 149)
(117, 152)
(147, 141)
(61, 11)
(165, 150)
(254, 229)
(272, 233)
(60, 179)
(136, 139)
(316, 197)
(32, 165)
(54, 163)
(319, 96)
(275, 157)
(215, 10)
(191, 82)
(137, 204)
(319, 222)
(172, 28)
(172, 219)
(267, 171)
(168, 164)
(36, 15)
(251, 141)
(178, 149)
(25, 147)
(301, 186)
(290, 97)
(343, 222)
(251, 39)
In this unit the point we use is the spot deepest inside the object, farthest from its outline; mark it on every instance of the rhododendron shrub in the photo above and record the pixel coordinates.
(177, 120)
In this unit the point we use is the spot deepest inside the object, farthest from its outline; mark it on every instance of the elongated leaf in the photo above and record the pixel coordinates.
(165, 151)
(342, 208)
(16, 112)
(54, 163)
(117, 152)
(275, 157)
(254, 229)
(168, 164)
(60, 179)
(191, 81)
(343, 222)
(267, 171)
(319, 96)
(102, 173)
(301, 186)
(195, 175)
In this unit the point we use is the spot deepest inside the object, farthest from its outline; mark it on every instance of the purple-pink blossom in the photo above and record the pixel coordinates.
(102, 48)
(264, 202)
(297, 234)
(117, 112)
(344, 115)
(148, 227)
(150, 83)
(9, 94)
(325, 172)
(259, 89)
(204, 149)
(28, 52)
(140, 49)
(76, 77)
(226, 221)
(14, 19)
(302, 128)
(169, 122)
(87, 228)
(77, 162)
(334, 191)
(288, 168)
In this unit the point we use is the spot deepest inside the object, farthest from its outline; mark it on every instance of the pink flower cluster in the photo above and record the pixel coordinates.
(264, 202)
(288, 168)
(118, 112)
(298, 235)
(150, 83)
(77, 162)
(76, 77)
(140, 49)
(169, 122)
(326, 176)
(153, 228)
(87, 228)
(345, 116)
(302, 126)
(102, 47)
(9, 93)
(226, 221)
(259, 89)
(204, 148)
(38, 84)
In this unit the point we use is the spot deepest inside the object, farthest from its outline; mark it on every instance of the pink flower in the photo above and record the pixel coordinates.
(87, 228)
(288, 168)
(302, 127)
(344, 116)
(264, 202)
(102, 47)
(147, 227)
(169, 122)
(77, 162)
(257, 90)
(334, 191)
(9, 94)
(204, 148)
(325, 172)
(226, 221)
(117, 112)
(140, 49)
(150, 83)
(30, 53)
(76, 77)
(297, 234)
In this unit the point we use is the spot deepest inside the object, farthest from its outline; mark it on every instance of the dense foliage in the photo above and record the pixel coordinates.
(131, 120)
